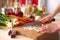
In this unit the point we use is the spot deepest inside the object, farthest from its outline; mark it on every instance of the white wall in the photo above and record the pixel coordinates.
(51, 5)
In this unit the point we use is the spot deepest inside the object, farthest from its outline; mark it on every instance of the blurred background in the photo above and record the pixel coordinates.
(47, 6)
(6, 4)
(50, 5)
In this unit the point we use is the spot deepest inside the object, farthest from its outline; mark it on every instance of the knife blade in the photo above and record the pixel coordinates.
(33, 24)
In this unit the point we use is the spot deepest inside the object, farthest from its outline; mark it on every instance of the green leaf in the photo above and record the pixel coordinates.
(38, 12)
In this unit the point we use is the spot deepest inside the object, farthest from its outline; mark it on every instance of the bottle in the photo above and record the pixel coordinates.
(42, 8)
(28, 11)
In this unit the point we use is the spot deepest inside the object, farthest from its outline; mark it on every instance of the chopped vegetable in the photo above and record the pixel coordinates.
(4, 19)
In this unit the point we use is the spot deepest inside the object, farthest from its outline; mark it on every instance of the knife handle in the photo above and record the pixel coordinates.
(53, 19)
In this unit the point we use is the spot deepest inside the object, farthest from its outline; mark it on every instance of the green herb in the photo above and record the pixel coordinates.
(38, 12)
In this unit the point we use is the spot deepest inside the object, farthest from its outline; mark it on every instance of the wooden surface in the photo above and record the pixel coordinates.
(37, 36)
(28, 35)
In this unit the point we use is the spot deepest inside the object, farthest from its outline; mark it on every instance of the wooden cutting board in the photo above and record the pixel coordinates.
(37, 36)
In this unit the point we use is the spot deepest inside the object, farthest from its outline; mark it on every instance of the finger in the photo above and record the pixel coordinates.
(43, 28)
(42, 19)
(43, 32)
(47, 22)
(40, 29)
(52, 31)
(49, 31)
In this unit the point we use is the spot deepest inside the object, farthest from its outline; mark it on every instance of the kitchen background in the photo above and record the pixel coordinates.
(49, 4)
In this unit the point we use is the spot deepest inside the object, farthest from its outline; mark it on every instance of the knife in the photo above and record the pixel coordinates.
(36, 23)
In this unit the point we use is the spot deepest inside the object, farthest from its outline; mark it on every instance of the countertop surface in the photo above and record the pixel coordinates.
(4, 34)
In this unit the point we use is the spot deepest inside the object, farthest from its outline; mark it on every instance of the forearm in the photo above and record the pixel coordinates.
(56, 11)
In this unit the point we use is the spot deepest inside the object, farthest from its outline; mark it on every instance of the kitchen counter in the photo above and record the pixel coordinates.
(4, 36)
(32, 35)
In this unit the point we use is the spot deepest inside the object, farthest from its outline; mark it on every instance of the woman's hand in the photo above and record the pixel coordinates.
(49, 28)
(46, 19)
